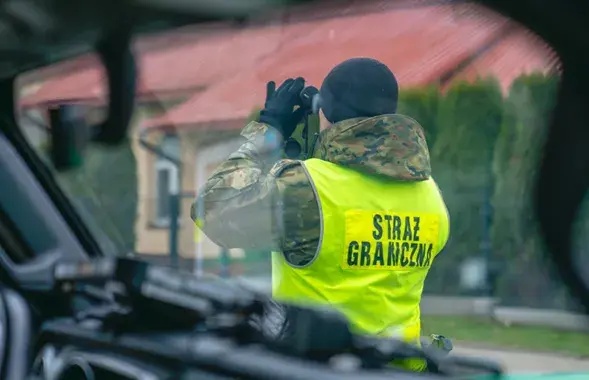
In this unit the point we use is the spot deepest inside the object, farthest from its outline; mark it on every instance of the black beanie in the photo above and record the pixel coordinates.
(359, 87)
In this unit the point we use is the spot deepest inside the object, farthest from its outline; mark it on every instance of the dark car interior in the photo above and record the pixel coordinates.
(39, 229)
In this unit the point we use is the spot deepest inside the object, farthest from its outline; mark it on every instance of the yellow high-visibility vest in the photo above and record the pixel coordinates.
(378, 241)
(198, 230)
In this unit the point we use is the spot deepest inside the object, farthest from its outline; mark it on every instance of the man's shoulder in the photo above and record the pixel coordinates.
(293, 184)
(286, 167)
(289, 173)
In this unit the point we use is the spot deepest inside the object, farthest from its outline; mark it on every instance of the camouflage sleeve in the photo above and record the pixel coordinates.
(234, 208)
(247, 202)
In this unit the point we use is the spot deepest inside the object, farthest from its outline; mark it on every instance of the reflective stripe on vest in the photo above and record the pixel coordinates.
(378, 241)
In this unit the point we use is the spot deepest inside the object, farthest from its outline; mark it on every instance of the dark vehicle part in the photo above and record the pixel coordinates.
(115, 53)
(15, 335)
(36, 232)
(69, 136)
(181, 322)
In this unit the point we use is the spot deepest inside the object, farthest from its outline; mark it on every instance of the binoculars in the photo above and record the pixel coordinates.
(310, 99)
(311, 102)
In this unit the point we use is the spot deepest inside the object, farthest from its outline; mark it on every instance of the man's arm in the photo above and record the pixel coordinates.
(235, 207)
(253, 202)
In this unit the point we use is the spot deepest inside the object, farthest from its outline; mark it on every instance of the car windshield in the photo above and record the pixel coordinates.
(480, 86)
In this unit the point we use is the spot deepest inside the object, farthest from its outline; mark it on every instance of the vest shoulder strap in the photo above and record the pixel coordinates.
(282, 165)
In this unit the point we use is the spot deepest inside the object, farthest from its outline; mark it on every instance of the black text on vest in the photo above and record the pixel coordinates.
(395, 243)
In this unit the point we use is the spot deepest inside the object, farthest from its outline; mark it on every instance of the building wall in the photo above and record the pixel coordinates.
(153, 239)
(186, 233)
(153, 242)
(149, 240)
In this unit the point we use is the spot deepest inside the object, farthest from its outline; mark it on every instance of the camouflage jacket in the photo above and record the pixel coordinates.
(256, 202)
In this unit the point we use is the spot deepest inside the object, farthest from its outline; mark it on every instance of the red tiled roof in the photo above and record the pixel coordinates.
(200, 55)
(144, 45)
(519, 53)
(420, 44)
(417, 44)
(174, 69)
(81, 85)
(65, 86)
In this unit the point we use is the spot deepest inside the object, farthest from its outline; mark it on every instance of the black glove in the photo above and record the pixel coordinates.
(279, 110)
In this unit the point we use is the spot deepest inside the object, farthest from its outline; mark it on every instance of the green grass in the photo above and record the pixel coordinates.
(485, 331)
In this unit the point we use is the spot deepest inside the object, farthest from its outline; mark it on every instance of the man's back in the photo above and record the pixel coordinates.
(378, 228)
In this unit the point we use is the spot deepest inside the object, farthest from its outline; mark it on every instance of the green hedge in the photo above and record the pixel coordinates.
(516, 240)
(468, 121)
(422, 104)
(485, 155)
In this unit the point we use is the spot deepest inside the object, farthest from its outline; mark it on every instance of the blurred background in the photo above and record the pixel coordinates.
(482, 86)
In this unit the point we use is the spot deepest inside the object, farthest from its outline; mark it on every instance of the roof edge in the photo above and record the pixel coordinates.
(230, 124)
(144, 96)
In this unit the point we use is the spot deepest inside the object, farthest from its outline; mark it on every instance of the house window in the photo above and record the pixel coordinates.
(166, 180)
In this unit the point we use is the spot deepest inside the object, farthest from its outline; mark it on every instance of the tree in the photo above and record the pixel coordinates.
(469, 118)
(516, 239)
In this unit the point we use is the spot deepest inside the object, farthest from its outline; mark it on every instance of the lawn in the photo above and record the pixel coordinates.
(488, 332)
